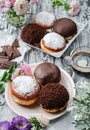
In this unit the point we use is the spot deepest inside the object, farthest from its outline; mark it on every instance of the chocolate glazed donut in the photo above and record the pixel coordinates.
(47, 73)
(65, 27)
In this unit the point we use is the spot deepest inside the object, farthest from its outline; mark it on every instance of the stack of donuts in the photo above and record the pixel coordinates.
(61, 30)
(42, 86)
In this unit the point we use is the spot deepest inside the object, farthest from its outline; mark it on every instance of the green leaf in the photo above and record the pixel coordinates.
(20, 72)
(8, 78)
(1, 88)
(36, 124)
(12, 69)
(7, 75)
(81, 108)
(63, 3)
(4, 76)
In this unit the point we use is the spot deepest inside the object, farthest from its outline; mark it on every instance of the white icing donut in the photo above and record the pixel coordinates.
(53, 42)
(24, 85)
(45, 18)
(24, 90)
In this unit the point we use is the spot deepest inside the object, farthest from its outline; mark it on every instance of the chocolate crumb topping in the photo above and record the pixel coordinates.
(53, 96)
(32, 33)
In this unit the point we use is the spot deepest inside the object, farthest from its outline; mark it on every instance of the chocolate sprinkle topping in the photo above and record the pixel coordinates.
(32, 33)
(53, 96)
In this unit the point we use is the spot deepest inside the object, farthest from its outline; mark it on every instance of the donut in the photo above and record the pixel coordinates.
(65, 27)
(47, 73)
(32, 33)
(45, 19)
(52, 43)
(24, 90)
(54, 98)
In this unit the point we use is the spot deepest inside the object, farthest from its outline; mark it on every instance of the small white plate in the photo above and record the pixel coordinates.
(36, 110)
(59, 54)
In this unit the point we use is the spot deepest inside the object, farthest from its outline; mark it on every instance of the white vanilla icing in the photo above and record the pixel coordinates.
(24, 85)
(54, 40)
(45, 18)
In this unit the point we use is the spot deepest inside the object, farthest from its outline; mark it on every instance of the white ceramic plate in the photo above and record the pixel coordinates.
(36, 110)
(59, 54)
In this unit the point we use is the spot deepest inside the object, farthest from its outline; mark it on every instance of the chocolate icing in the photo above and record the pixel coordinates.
(65, 27)
(47, 73)
(53, 96)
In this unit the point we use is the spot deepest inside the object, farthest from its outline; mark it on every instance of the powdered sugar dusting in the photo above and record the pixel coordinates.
(24, 85)
(45, 18)
(54, 40)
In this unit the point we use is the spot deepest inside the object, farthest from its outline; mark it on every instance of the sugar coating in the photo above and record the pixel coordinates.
(24, 85)
(82, 63)
(45, 18)
(54, 40)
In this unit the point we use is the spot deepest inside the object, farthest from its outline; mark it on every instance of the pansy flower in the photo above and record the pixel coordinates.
(20, 123)
(5, 125)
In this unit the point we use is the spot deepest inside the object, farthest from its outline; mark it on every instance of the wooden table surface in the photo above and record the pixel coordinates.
(34, 56)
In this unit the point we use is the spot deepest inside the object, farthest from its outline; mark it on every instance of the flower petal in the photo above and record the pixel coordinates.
(20, 123)
(5, 125)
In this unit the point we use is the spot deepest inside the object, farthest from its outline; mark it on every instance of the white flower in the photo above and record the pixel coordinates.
(44, 120)
(21, 7)
(75, 8)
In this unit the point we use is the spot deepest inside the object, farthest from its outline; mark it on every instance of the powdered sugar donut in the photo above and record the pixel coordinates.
(53, 42)
(24, 90)
(45, 19)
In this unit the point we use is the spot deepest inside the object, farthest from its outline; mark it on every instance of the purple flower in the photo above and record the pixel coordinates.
(4, 5)
(34, 1)
(5, 125)
(20, 123)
